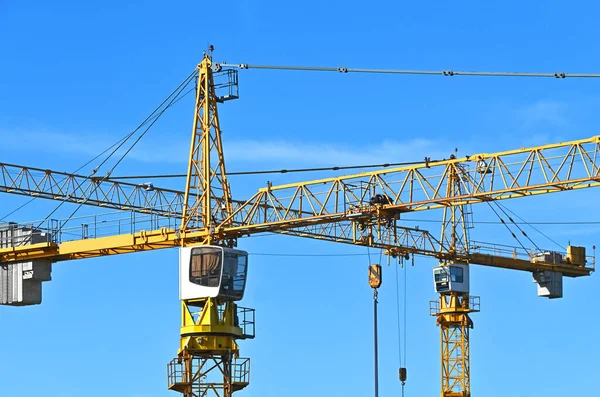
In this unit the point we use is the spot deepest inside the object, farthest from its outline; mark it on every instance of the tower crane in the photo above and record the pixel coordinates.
(363, 209)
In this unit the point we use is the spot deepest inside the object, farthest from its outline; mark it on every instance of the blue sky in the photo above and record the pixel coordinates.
(76, 76)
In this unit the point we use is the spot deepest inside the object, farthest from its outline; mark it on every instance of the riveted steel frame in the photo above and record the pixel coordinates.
(452, 312)
(94, 191)
(455, 360)
(505, 175)
(338, 209)
(454, 238)
(207, 198)
(209, 375)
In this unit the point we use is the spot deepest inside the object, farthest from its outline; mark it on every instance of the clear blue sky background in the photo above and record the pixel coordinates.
(76, 76)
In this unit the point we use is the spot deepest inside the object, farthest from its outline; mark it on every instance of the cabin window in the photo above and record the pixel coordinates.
(456, 274)
(234, 274)
(440, 275)
(205, 266)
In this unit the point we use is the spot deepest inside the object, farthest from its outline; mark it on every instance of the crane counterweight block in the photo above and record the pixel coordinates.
(21, 282)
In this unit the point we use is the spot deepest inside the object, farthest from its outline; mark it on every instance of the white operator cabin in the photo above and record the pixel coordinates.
(212, 272)
(451, 278)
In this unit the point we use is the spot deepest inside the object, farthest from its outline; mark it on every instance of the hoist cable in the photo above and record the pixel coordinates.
(522, 223)
(282, 171)
(401, 330)
(289, 171)
(375, 342)
(157, 111)
(530, 224)
(447, 73)
(182, 85)
(507, 226)
(517, 226)
(405, 311)
(469, 178)
(151, 119)
(62, 180)
(398, 316)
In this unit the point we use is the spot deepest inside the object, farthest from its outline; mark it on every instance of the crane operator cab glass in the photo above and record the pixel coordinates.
(211, 272)
(451, 278)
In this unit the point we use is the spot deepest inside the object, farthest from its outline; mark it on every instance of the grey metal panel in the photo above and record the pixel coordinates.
(21, 283)
(549, 283)
(31, 292)
(4, 284)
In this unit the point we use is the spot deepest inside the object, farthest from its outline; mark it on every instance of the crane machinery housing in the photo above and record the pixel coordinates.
(364, 209)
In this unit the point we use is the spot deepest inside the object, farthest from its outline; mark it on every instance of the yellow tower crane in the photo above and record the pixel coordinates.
(362, 209)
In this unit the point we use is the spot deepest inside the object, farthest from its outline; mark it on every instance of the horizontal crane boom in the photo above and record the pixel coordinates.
(360, 209)
(89, 190)
(484, 177)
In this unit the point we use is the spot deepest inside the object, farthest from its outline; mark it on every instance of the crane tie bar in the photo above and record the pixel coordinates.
(448, 73)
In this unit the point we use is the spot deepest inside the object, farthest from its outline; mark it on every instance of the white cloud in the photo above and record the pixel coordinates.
(316, 153)
(289, 153)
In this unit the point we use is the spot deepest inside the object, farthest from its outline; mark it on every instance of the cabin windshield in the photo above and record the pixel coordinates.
(235, 265)
(205, 266)
(440, 275)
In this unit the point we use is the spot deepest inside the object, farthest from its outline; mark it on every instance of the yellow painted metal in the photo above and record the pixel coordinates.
(92, 191)
(517, 173)
(402, 241)
(103, 246)
(375, 275)
(207, 201)
(510, 174)
(210, 332)
(576, 255)
(218, 376)
(329, 209)
(339, 213)
(455, 236)
(499, 161)
(569, 270)
(452, 312)
(208, 340)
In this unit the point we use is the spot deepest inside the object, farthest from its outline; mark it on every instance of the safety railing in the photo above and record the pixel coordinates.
(246, 322)
(435, 307)
(178, 379)
(533, 254)
(84, 227)
(175, 373)
(240, 370)
(244, 319)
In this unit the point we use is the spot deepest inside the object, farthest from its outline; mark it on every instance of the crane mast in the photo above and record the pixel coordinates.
(453, 307)
(208, 361)
(362, 209)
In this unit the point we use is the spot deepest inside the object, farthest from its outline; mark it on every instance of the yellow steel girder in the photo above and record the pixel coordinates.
(338, 209)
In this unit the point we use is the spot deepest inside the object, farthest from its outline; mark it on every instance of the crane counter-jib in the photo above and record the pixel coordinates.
(408, 241)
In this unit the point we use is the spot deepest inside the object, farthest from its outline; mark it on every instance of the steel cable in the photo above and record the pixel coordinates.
(446, 73)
